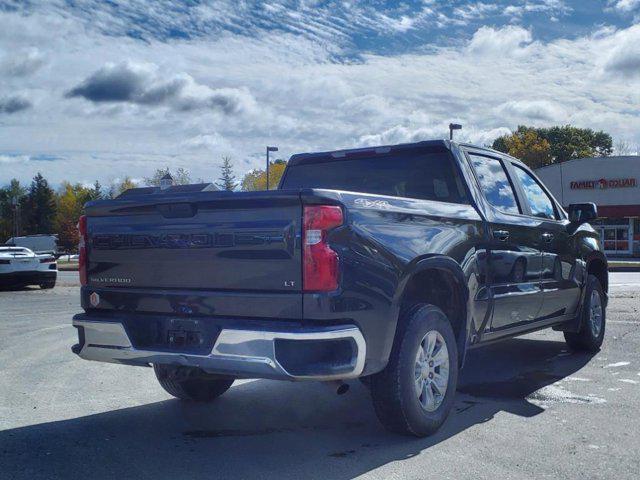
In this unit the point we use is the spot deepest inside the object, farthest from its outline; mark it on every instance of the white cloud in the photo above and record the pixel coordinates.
(510, 40)
(13, 159)
(623, 57)
(22, 63)
(206, 141)
(401, 134)
(523, 111)
(484, 137)
(475, 11)
(408, 134)
(187, 102)
(554, 10)
(625, 6)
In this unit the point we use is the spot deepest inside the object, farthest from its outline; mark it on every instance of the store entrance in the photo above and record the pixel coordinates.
(616, 239)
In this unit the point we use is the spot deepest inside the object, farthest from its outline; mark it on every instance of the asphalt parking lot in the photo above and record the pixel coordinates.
(526, 408)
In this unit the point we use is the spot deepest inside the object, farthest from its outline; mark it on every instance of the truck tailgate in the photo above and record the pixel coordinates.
(214, 241)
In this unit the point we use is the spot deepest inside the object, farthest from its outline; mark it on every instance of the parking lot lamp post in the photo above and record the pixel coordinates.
(452, 127)
(15, 202)
(269, 149)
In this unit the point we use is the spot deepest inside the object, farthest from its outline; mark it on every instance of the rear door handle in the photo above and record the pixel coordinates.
(547, 237)
(502, 235)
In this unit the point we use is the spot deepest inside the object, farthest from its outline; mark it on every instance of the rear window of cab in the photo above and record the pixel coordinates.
(427, 176)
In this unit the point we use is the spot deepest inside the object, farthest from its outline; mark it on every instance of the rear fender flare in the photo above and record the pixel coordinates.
(449, 266)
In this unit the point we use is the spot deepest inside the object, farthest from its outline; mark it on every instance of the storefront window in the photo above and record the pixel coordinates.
(616, 235)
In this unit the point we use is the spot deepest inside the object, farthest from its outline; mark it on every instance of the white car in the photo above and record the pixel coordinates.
(19, 266)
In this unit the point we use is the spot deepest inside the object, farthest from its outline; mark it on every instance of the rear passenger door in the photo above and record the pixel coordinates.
(514, 256)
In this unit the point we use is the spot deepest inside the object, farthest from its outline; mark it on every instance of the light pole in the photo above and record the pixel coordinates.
(452, 127)
(269, 149)
(15, 202)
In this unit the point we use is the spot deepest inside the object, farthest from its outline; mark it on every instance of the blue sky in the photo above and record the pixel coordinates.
(102, 89)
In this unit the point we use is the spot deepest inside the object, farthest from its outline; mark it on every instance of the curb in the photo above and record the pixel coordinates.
(630, 268)
(65, 267)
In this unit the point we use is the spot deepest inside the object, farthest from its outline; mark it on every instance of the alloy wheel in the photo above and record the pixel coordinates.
(431, 373)
(595, 313)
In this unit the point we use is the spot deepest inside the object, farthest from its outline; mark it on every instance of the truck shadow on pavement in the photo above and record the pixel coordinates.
(284, 430)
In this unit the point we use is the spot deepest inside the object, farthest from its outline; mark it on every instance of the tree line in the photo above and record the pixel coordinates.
(40, 209)
(539, 147)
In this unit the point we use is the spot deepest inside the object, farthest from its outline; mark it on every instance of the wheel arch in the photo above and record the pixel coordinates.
(597, 266)
(437, 280)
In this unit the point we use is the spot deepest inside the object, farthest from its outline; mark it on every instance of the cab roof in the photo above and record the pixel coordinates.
(431, 146)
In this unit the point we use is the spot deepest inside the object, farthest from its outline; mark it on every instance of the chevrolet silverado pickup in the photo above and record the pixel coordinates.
(385, 264)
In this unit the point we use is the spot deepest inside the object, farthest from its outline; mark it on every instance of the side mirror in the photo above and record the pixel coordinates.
(582, 212)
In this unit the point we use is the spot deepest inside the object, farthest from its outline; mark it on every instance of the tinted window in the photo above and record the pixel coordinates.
(430, 176)
(539, 202)
(495, 183)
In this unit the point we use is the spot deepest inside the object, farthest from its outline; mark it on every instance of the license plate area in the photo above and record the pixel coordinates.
(184, 335)
(184, 338)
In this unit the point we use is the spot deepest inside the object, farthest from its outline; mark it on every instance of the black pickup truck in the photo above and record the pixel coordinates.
(385, 264)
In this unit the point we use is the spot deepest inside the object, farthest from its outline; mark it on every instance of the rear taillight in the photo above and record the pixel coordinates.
(321, 265)
(82, 249)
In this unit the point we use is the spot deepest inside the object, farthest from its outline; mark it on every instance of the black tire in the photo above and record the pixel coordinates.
(588, 338)
(192, 384)
(393, 390)
(48, 284)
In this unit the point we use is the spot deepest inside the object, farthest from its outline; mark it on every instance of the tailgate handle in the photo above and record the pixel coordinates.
(177, 210)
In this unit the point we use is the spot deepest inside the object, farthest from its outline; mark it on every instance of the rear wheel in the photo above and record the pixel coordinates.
(188, 383)
(415, 392)
(591, 334)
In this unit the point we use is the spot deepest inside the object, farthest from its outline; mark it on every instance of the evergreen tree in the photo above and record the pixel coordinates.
(40, 206)
(7, 209)
(180, 176)
(227, 180)
(94, 193)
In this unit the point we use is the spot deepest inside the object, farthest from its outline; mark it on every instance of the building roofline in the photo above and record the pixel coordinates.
(611, 157)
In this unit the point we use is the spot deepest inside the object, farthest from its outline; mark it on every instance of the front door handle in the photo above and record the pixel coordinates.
(502, 235)
(547, 237)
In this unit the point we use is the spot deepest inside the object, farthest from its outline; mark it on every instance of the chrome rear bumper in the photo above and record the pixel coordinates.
(236, 352)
